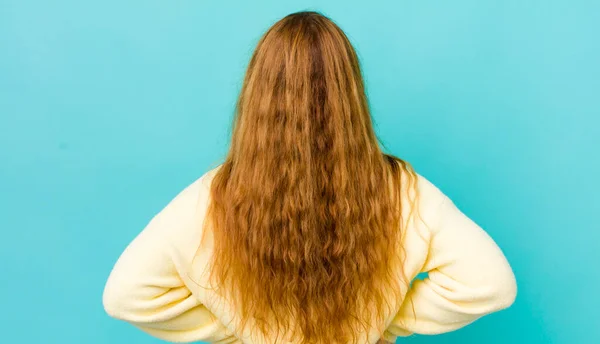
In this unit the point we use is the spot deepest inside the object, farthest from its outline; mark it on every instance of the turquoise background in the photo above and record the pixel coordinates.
(109, 108)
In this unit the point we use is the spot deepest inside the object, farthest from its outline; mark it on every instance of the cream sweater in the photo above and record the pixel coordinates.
(152, 285)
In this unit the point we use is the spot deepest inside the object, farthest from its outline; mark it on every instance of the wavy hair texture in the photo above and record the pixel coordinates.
(306, 209)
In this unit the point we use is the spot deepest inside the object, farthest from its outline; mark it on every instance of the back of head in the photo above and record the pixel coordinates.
(306, 226)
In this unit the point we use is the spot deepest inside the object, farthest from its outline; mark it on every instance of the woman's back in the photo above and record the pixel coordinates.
(307, 232)
(153, 284)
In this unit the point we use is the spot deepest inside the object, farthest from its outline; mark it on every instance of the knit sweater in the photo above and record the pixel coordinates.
(153, 287)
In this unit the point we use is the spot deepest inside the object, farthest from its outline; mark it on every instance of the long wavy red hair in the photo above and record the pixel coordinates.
(306, 209)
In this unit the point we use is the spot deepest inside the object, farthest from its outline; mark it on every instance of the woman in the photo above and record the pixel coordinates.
(307, 232)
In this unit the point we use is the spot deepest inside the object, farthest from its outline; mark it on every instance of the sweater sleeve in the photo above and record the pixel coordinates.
(146, 288)
(468, 275)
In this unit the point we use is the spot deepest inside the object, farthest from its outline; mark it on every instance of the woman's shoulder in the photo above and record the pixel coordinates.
(419, 192)
(422, 200)
(417, 188)
(430, 195)
(207, 177)
(183, 212)
(194, 192)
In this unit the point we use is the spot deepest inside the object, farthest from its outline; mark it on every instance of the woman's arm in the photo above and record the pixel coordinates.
(145, 287)
(468, 275)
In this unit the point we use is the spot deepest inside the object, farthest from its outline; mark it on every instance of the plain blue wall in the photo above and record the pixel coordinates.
(109, 108)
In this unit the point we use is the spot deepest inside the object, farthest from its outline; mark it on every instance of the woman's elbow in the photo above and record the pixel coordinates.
(117, 301)
(112, 303)
(505, 291)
